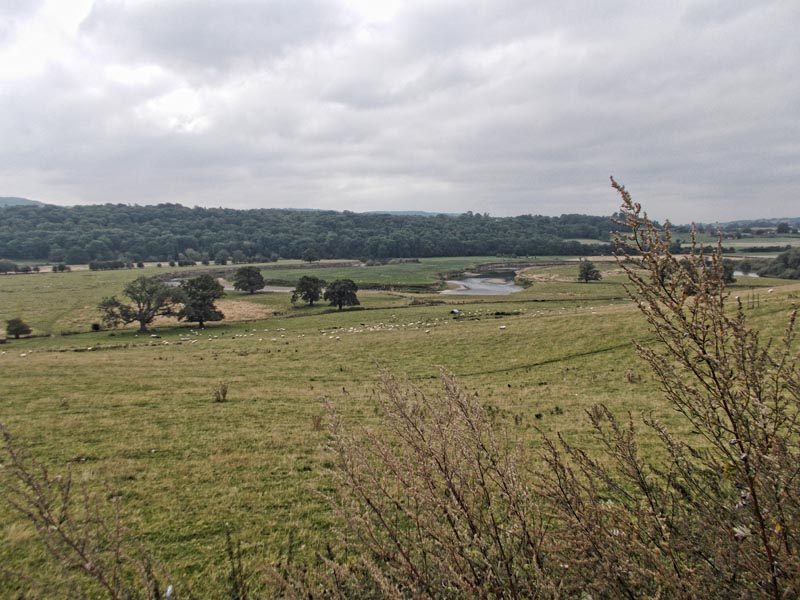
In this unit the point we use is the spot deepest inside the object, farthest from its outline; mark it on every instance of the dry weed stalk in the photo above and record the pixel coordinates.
(444, 511)
(718, 518)
(95, 554)
(438, 503)
(221, 392)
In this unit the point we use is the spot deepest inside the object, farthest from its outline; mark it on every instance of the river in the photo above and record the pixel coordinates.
(498, 283)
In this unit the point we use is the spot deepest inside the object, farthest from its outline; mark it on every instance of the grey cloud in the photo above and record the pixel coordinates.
(18, 8)
(713, 12)
(208, 35)
(509, 107)
(12, 12)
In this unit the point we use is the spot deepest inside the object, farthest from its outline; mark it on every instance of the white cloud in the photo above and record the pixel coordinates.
(501, 106)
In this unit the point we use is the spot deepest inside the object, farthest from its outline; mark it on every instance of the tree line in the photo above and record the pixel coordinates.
(117, 232)
(784, 266)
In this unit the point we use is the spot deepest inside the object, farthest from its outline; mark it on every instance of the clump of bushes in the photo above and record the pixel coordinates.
(107, 265)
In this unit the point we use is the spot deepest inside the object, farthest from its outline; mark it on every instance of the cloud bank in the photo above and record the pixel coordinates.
(504, 106)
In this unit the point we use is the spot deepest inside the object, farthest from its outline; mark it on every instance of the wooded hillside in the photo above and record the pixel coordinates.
(163, 232)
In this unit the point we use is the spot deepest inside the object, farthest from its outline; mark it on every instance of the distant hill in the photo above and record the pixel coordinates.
(414, 213)
(165, 232)
(793, 221)
(13, 201)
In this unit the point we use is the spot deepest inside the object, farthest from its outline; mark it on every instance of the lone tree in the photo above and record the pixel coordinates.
(17, 327)
(310, 255)
(149, 299)
(309, 289)
(248, 279)
(199, 294)
(221, 258)
(587, 272)
(342, 292)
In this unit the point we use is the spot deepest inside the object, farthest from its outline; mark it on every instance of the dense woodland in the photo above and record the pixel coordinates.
(77, 235)
(784, 266)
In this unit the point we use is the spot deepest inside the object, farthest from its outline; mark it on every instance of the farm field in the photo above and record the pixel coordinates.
(744, 243)
(133, 417)
(424, 274)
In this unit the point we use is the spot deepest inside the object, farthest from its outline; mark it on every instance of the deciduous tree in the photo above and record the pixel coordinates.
(342, 292)
(17, 327)
(310, 255)
(149, 299)
(248, 279)
(587, 271)
(199, 294)
(308, 289)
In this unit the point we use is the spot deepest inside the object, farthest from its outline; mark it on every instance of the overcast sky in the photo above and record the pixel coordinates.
(503, 106)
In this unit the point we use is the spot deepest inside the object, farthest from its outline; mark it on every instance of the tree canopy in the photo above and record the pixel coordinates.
(587, 271)
(149, 299)
(199, 294)
(308, 289)
(786, 265)
(79, 234)
(342, 292)
(17, 327)
(248, 279)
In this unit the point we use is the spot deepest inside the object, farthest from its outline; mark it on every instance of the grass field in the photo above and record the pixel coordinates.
(424, 274)
(744, 243)
(133, 416)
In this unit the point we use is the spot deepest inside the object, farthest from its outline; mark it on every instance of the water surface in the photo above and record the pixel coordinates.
(495, 284)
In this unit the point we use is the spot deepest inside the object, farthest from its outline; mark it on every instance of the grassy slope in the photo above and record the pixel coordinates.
(66, 302)
(134, 416)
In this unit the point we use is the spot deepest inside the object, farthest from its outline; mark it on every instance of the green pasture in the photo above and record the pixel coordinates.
(133, 417)
(744, 243)
(59, 303)
(425, 273)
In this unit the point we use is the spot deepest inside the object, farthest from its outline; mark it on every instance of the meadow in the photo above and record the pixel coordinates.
(744, 244)
(133, 417)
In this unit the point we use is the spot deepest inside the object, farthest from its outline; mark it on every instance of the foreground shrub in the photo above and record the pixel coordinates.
(439, 504)
(443, 510)
(94, 555)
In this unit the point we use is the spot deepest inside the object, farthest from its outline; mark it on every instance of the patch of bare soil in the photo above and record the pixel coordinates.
(234, 310)
(241, 310)
(544, 277)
